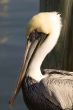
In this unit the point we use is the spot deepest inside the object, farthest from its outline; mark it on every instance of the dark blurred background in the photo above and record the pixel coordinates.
(14, 15)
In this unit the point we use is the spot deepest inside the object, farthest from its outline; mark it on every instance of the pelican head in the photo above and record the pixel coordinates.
(43, 31)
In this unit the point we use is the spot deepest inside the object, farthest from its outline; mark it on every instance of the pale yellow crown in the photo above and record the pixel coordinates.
(44, 22)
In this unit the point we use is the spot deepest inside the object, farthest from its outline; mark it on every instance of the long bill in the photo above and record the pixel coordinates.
(29, 51)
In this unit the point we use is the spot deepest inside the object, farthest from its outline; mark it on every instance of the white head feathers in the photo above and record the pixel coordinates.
(45, 22)
(48, 23)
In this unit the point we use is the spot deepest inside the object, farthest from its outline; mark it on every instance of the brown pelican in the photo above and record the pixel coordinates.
(52, 89)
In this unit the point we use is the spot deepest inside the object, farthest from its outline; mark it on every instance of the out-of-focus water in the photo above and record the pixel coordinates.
(14, 15)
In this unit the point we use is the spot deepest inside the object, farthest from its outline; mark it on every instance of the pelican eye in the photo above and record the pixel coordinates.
(35, 35)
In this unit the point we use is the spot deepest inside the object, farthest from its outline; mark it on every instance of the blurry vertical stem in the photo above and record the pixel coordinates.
(67, 15)
(66, 33)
